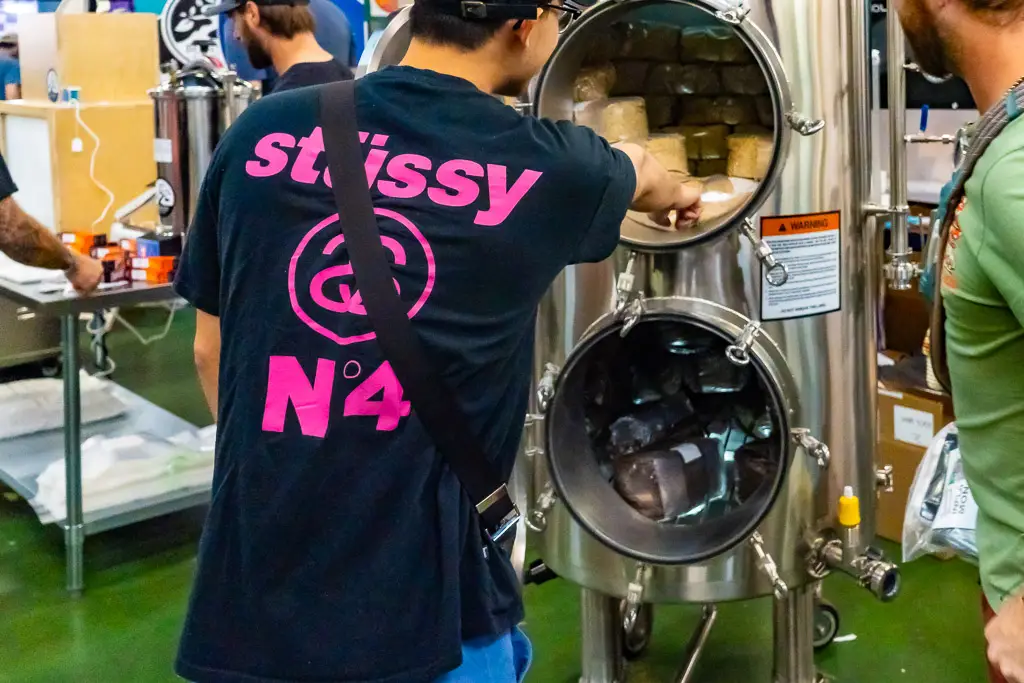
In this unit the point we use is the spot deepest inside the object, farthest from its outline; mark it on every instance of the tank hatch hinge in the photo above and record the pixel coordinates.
(546, 386)
(734, 15)
(738, 352)
(634, 597)
(768, 566)
(804, 125)
(537, 520)
(817, 450)
(629, 304)
(777, 274)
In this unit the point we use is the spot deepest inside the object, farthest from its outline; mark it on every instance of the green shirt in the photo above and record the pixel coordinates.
(983, 292)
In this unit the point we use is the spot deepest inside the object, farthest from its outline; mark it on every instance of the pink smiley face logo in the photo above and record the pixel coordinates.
(314, 302)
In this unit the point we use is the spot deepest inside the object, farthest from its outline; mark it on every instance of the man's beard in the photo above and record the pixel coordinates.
(930, 51)
(258, 57)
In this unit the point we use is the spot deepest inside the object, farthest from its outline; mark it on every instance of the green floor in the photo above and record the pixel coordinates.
(126, 627)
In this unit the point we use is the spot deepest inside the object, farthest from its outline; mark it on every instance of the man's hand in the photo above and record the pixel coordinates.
(1005, 634)
(685, 210)
(84, 274)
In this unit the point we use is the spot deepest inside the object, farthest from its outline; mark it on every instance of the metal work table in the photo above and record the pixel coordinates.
(25, 457)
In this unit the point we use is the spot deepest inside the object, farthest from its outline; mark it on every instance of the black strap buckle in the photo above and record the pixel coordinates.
(499, 514)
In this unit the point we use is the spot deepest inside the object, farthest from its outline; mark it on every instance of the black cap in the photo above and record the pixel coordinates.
(503, 9)
(232, 5)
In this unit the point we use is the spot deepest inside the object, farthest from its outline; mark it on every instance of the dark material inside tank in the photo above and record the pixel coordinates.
(681, 433)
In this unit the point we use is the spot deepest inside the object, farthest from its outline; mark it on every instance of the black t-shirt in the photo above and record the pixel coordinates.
(312, 73)
(7, 186)
(339, 547)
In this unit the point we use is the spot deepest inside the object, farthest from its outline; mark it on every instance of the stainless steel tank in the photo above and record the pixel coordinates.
(192, 107)
(817, 359)
(748, 298)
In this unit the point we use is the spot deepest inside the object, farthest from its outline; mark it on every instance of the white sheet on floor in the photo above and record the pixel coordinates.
(117, 471)
(37, 405)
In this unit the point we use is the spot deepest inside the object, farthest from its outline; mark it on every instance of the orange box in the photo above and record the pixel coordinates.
(82, 242)
(156, 264)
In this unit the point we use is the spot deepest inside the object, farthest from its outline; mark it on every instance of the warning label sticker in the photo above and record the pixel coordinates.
(809, 247)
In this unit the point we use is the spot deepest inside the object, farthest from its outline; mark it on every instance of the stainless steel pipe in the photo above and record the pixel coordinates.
(899, 270)
(600, 635)
(793, 618)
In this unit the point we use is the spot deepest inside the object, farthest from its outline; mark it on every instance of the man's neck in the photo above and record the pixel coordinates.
(302, 48)
(992, 62)
(472, 67)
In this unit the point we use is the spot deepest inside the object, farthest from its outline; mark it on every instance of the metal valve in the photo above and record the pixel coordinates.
(814, 448)
(537, 520)
(900, 271)
(634, 598)
(738, 353)
(884, 479)
(922, 137)
(777, 274)
(546, 386)
(629, 305)
(804, 125)
(767, 565)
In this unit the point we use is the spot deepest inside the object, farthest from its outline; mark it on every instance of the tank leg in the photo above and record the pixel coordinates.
(794, 637)
(695, 648)
(601, 638)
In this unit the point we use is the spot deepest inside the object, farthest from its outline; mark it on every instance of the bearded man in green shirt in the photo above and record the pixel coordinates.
(978, 334)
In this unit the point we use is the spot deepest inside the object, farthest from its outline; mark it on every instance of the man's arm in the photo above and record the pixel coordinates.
(26, 241)
(207, 354)
(656, 189)
(12, 91)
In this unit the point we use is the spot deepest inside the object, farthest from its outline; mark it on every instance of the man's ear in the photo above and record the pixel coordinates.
(251, 14)
(523, 28)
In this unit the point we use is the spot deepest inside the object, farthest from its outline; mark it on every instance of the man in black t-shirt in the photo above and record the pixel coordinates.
(280, 33)
(28, 242)
(339, 545)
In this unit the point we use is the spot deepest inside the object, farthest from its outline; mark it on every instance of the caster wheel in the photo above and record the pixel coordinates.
(636, 641)
(826, 624)
(51, 368)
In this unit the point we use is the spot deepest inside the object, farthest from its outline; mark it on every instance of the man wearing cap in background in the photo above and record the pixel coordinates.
(281, 34)
(25, 240)
(339, 545)
(10, 71)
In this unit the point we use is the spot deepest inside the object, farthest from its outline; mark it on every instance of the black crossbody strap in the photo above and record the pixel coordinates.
(431, 399)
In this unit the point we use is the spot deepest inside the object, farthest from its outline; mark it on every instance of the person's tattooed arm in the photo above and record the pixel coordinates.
(26, 241)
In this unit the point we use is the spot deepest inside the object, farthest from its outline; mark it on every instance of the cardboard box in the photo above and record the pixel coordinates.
(908, 420)
(892, 506)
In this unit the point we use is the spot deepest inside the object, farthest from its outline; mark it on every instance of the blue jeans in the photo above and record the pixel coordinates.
(505, 659)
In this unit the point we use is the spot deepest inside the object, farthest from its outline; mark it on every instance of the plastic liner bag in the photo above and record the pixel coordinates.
(941, 513)
(683, 79)
(37, 405)
(616, 120)
(648, 425)
(665, 485)
(119, 470)
(595, 83)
